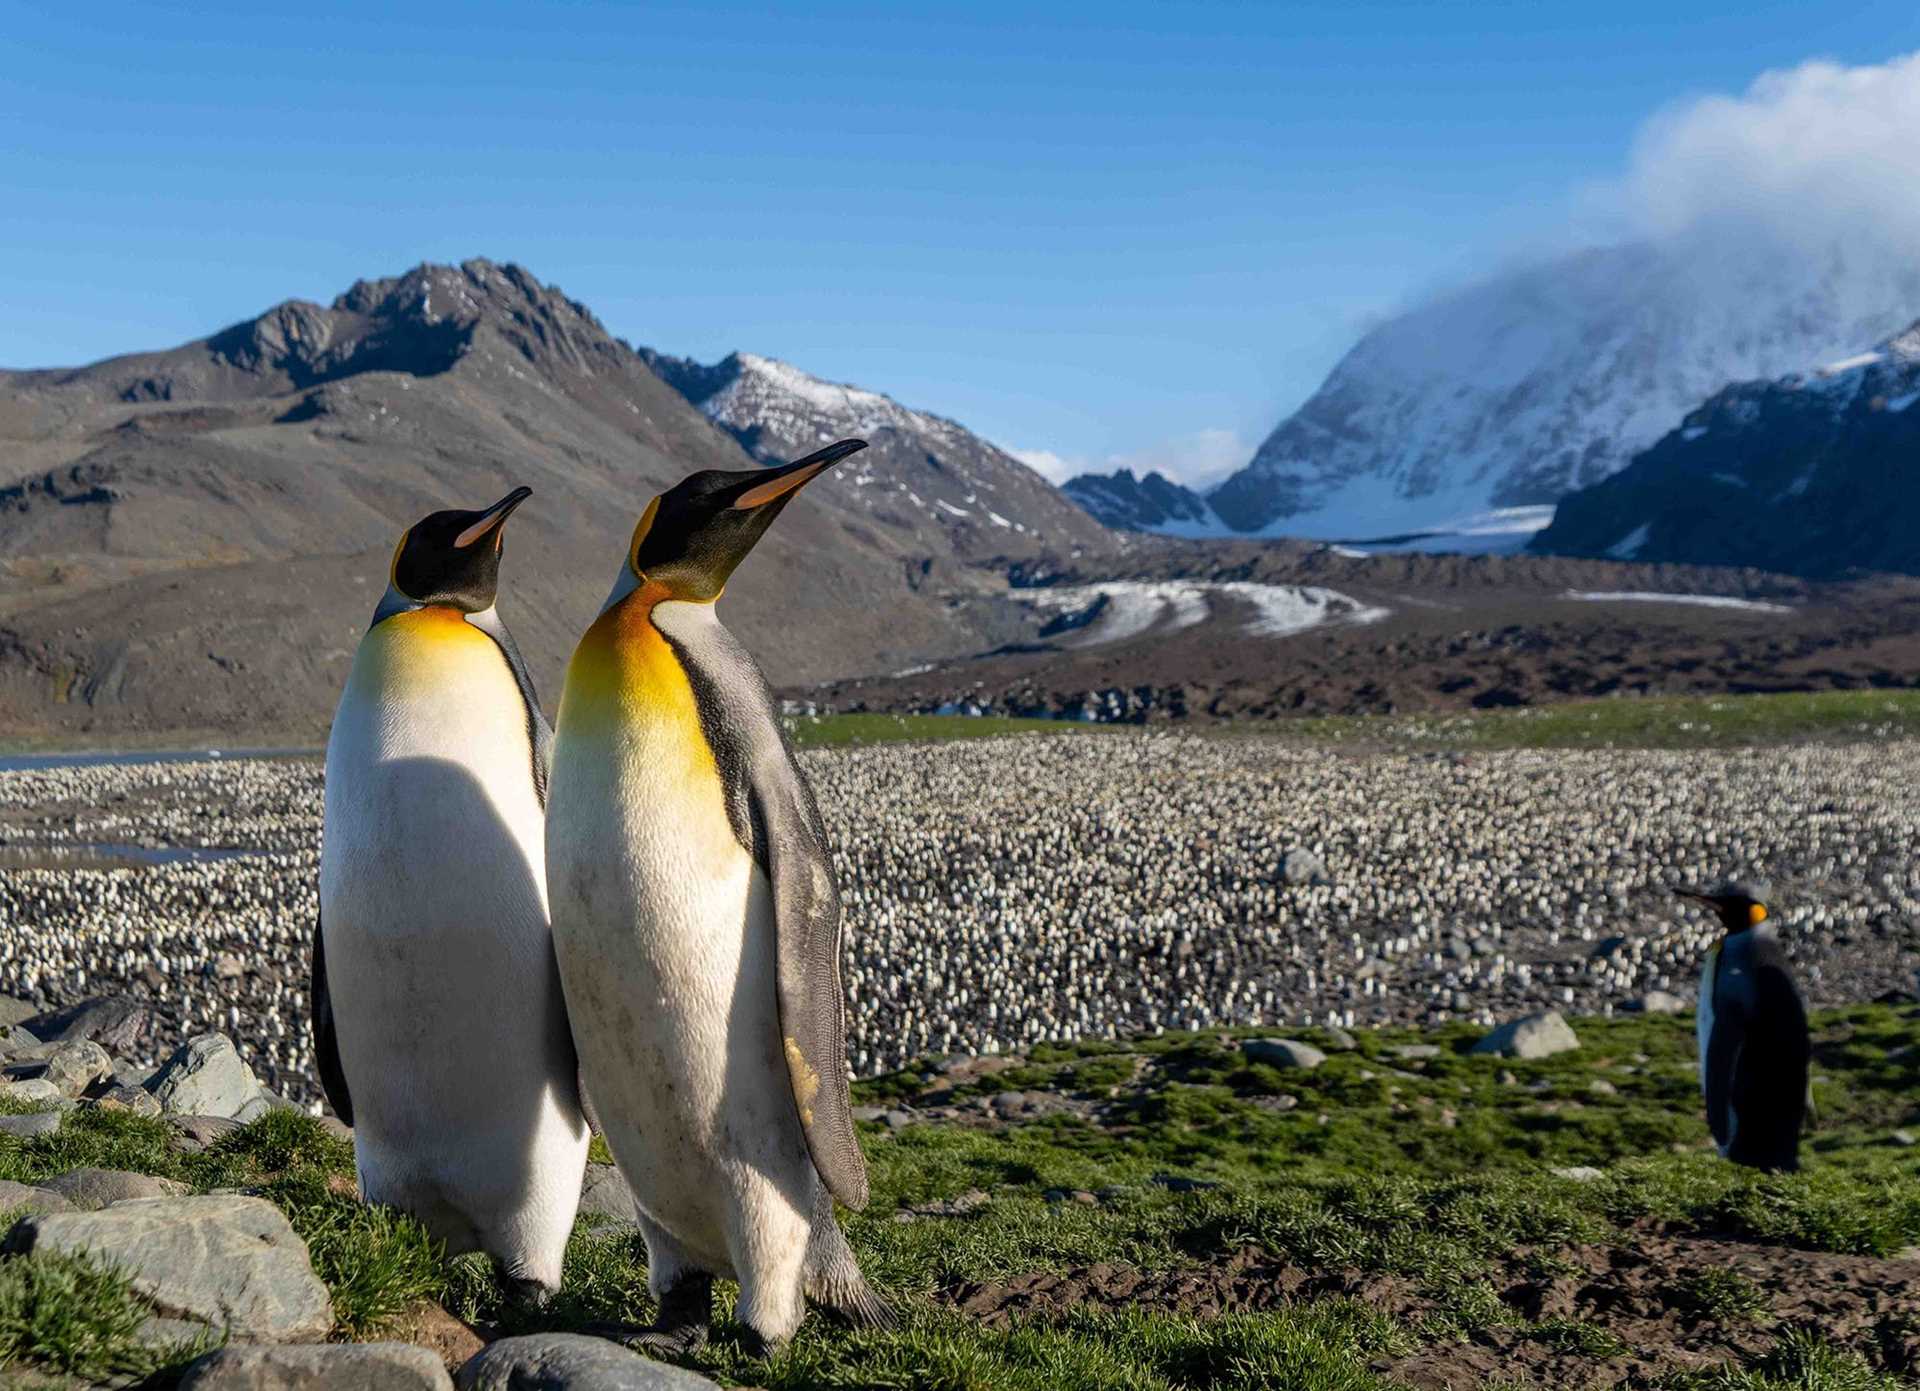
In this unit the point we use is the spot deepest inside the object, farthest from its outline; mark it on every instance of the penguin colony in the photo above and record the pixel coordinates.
(1004, 891)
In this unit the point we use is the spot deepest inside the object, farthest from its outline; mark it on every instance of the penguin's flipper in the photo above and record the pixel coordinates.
(813, 1029)
(326, 1043)
(1718, 1067)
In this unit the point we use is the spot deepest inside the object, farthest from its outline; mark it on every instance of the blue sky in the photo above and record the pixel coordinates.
(1100, 230)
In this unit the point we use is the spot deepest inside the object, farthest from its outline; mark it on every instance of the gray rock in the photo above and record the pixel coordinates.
(96, 1188)
(1904, 1138)
(191, 1134)
(126, 1074)
(1411, 1051)
(34, 1123)
(606, 1194)
(1580, 1173)
(34, 1091)
(1535, 1036)
(571, 1362)
(328, 1367)
(208, 1077)
(1600, 1086)
(75, 1066)
(1660, 1002)
(229, 1262)
(898, 1119)
(1282, 1052)
(1339, 1040)
(1300, 866)
(135, 1099)
(24, 1195)
(869, 1113)
(15, 1011)
(18, 1043)
(117, 1023)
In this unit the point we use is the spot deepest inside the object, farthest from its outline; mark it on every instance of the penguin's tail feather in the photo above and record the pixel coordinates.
(833, 1278)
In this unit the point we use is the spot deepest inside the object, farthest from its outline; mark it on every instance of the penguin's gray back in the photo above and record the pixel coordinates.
(445, 999)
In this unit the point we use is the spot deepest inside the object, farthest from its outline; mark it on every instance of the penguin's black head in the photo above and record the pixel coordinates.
(1739, 906)
(453, 557)
(691, 536)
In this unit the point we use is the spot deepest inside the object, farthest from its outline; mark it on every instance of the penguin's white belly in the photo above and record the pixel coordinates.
(665, 932)
(451, 1026)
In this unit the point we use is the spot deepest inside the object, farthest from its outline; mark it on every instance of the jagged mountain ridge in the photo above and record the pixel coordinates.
(920, 472)
(1545, 379)
(1814, 473)
(1152, 503)
(193, 538)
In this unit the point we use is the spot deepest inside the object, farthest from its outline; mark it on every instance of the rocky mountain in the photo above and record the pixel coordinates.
(1548, 378)
(193, 539)
(921, 475)
(1815, 473)
(1153, 503)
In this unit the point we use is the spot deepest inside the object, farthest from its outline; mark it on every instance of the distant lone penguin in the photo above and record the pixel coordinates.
(698, 929)
(439, 1024)
(1752, 1031)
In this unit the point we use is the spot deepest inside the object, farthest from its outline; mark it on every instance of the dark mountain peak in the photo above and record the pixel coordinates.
(1152, 503)
(1809, 473)
(697, 381)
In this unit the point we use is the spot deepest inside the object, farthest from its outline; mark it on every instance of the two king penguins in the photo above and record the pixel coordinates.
(688, 972)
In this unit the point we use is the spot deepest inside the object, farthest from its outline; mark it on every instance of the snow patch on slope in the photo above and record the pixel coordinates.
(1119, 610)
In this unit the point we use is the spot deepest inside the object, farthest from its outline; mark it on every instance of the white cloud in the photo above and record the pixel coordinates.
(1053, 467)
(1805, 153)
(1198, 460)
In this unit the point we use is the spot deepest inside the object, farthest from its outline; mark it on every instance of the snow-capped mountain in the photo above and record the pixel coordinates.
(920, 473)
(1815, 473)
(1153, 503)
(1520, 389)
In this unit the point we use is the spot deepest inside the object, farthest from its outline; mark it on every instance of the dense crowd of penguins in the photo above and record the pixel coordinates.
(1007, 891)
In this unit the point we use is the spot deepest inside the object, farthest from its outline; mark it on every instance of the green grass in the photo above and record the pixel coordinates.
(1434, 1175)
(1668, 722)
(69, 1315)
(826, 731)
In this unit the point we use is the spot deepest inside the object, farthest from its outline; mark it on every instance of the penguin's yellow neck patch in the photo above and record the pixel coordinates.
(423, 651)
(625, 674)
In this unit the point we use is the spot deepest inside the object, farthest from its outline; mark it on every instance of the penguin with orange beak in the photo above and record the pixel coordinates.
(1752, 1029)
(698, 928)
(440, 1032)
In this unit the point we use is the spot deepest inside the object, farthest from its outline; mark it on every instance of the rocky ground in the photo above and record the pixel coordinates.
(1003, 893)
(1535, 1206)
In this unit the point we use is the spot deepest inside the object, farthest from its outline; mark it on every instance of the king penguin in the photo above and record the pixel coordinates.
(1752, 1031)
(698, 928)
(439, 1025)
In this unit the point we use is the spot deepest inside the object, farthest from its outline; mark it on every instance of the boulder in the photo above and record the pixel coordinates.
(229, 1262)
(33, 1123)
(191, 1134)
(1659, 1002)
(1535, 1036)
(18, 1044)
(1339, 1040)
(97, 1188)
(328, 1367)
(75, 1066)
(23, 1195)
(571, 1362)
(34, 1091)
(1414, 1052)
(1580, 1173)
(118, 1023)
(15, 1011)
(135, 1099)
(208, 1077)
(605, 1194)
(1281, 1052)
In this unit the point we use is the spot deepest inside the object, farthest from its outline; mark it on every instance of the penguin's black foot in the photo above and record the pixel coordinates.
(525, 1295)
(686, 1316)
